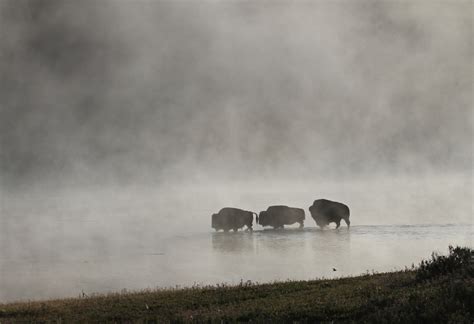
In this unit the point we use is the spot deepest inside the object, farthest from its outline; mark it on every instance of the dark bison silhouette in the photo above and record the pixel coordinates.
(279, 216)
(232, 218)
(326, 211)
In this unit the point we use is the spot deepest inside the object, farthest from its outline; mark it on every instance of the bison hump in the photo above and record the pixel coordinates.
(277, 207)
(230, 209)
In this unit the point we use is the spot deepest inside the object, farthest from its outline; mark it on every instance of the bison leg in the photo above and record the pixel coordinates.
(347, 222)
(301, 224)
(338, 224)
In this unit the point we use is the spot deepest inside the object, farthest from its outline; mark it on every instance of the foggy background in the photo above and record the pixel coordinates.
(124, 124)
(124, 92)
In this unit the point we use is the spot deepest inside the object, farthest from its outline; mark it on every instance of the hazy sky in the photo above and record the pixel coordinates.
(150, 91)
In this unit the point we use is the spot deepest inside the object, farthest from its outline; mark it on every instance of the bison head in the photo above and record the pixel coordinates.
(320, 219)
(313, 211)
(262, 218)
(214, 221)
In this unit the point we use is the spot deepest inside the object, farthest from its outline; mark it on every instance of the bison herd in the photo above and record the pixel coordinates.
(323, 212)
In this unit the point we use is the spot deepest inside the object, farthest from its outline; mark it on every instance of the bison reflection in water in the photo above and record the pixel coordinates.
(237, 243)
(326, 211)
(279, 216)
(232, 218)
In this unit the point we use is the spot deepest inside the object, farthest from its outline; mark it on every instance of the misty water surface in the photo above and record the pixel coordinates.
(210, 258)
(101, 241)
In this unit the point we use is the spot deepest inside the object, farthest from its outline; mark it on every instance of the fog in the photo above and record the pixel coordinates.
(149, 91)
(124, 123)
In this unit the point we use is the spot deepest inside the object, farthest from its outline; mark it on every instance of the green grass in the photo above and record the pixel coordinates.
(440, 290)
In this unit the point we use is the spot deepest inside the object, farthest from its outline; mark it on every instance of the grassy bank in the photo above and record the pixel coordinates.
(440, 290)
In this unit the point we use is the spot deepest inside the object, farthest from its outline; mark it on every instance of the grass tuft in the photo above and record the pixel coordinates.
(459, 260)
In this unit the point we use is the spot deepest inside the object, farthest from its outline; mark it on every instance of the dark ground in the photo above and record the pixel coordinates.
(439, 290)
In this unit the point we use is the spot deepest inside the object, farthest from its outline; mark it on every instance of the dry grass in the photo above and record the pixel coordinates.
(377, 298)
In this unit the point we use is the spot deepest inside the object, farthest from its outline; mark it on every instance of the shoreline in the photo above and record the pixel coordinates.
(437, 290)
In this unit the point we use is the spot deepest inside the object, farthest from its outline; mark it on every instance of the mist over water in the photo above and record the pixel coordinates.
(125, 124)
(151, 91)
(103, 241)
(211, 258)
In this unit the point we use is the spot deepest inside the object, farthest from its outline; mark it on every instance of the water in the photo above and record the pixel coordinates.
(209, 258)
(60, 243)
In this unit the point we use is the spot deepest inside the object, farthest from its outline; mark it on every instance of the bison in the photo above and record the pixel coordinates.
(279, 216)
(326, 211)
(232, 218)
